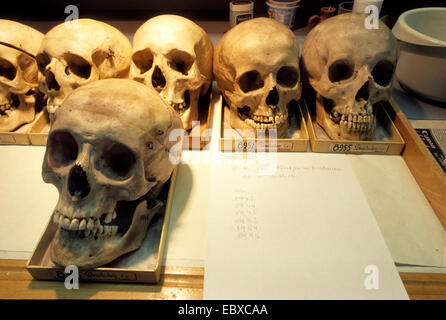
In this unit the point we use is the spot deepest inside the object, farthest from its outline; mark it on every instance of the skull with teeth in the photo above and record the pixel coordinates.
(351, 69)
(71, 56)
(18, 74)
(108, 155)
(256, 66)
(173, 55)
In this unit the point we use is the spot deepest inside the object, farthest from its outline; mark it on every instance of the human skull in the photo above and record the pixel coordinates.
(18, 74)
(256, 66)
(173, 55)
(108, 156)
(74, 54)
(351, 68)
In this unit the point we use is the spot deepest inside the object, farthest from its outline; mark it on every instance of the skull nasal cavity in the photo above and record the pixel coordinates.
(51, 81)
(77, 182)
(363, 93)
(273, 97)
(158, 80)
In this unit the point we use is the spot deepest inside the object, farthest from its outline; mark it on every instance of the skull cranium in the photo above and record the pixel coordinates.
(173, 55)
(351, 68)
(18, 74)
(108, 155)
(73, 55)
(256, 66)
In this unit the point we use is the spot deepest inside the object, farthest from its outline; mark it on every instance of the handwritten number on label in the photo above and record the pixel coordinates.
(244, 145)
(341, 147)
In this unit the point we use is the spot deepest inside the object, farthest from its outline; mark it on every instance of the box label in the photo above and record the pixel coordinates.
(284, 145)
(7, 139)
(105, 275)
(276, 145)
(100, 275)
(262, 145)
(358, 147)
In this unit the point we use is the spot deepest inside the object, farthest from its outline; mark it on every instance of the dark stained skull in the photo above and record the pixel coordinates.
(351, 68)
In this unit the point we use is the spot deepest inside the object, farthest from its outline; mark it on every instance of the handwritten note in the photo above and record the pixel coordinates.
(245, 215)
(302, 231)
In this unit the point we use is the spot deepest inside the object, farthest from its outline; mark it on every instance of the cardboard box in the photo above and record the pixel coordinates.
(38, 133)
(141, 266)
(296, 140)
(200, 135)
(20, 135)
(388, 139)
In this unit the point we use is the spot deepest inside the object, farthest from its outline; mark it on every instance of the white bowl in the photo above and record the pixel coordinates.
(422, 61)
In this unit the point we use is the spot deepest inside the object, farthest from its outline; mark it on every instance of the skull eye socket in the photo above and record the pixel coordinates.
(382, 73)
(340, 70)
(29, 68)
(250, 81)
(180, 61)
(118, 160)
(63, 148)
(143, 60)
(287, 76)
(43, 59)
(77, 65)
(7, 69)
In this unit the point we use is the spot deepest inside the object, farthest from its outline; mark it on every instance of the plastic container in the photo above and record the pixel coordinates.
(240, 11)
(283, 12)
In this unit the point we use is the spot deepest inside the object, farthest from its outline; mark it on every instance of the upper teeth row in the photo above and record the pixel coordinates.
(364, 126)
(178, 106)
(266, 120)
(262, 119)
(351, 118)
(4, 107)
(258, 125)
(89, 225)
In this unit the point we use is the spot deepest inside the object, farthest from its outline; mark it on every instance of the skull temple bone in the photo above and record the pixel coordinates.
(74, 54)
(173, 55)
(108, 156)
(351, 69)
(18, 74)
(256, 66)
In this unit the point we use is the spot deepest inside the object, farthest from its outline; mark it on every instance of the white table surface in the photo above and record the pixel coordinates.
(26, 202)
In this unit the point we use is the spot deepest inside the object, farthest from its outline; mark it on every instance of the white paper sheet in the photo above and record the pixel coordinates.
(186, 237)
(26, 202)
(305, 232)
(410, 227)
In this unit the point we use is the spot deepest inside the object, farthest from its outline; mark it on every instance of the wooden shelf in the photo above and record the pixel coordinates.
(176, 283)
(182, 283)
